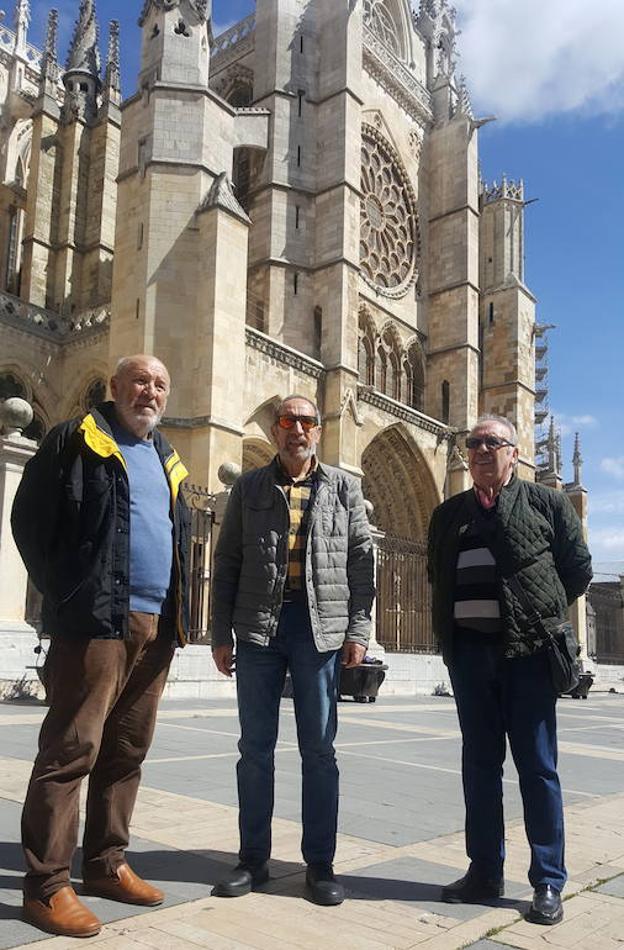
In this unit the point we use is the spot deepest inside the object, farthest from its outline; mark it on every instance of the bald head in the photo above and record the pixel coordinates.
(140, 387)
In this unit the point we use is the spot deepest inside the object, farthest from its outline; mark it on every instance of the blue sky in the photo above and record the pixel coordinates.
(553, 74)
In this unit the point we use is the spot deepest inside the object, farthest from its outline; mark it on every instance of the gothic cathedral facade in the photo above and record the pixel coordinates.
(294, 205)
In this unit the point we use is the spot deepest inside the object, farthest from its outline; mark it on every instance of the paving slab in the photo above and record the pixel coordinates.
(400, 836)
(614, 887)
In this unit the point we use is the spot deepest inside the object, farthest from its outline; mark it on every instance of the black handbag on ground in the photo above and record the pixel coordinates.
(561, 643)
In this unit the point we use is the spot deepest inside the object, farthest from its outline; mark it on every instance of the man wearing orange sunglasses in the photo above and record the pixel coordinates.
(294, 580)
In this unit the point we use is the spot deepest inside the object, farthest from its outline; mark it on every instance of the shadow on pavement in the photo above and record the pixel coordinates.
(205, 868)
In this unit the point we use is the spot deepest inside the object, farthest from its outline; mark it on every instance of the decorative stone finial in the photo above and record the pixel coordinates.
(15, 415)
(112, 79)
(49, 61)
(577, 461)
(463, 105)
(21, 20)
(552, 450)
(436, 21)
(369, 508)
(228, 473)
(84, 55)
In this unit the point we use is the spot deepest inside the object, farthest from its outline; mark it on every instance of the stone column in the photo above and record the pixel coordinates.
(15, 450)
(17, 638)
(374, 649)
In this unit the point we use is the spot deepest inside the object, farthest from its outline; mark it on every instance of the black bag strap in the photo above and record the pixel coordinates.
(513, 580)
(532, 615)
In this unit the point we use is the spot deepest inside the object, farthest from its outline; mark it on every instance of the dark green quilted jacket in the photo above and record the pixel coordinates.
(536, 534)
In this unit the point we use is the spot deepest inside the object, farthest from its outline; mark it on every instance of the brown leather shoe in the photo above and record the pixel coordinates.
(124, 886)
(62, 914)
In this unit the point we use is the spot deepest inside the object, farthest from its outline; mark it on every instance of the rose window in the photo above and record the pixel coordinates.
(378, 17)
(389, 223)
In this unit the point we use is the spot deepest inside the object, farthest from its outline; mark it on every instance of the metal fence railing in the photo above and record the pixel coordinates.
(403, 597)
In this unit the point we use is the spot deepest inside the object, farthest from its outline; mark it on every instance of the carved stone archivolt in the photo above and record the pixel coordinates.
(389, 232)
(399, 484)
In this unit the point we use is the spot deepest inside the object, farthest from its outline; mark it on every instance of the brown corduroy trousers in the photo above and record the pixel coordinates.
(103, 697)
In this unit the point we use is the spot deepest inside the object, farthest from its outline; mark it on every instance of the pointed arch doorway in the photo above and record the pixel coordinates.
(399, 484)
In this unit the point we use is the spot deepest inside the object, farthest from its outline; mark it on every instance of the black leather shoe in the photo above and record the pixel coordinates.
(547, 907)
(241, 880)
(472, 889)
(322, 886)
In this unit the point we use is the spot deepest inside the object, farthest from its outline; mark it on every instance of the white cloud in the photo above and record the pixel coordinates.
(589, 421)
(613, 466)
(607, 544)
(529, 59)
(567, 424)
(607, 503)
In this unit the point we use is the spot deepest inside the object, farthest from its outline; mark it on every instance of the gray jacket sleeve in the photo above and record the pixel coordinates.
(360, 569)
(227, 565)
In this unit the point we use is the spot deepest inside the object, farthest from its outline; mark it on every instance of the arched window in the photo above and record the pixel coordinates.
(394, 377)
(95, 394)
(391, 343)
(366, 349)
(381, 17)
(240, 95)
(381, 369)
(446, 402)
(13, 262)
(414, 377)
(10, 386)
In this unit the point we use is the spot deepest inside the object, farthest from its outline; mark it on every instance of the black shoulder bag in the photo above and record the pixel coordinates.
(561, 643)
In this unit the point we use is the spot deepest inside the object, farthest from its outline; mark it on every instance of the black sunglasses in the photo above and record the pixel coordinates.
(490, 442)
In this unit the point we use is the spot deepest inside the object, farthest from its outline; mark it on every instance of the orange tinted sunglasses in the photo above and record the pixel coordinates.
(306, 422)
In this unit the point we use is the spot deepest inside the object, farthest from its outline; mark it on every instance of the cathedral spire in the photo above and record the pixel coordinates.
(84, 54)
(577, 461)
(49, 62)
(82, 73)
(112, 79)
(21, 20)
(553, 449)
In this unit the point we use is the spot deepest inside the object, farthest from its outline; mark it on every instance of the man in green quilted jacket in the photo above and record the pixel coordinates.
(498, 664)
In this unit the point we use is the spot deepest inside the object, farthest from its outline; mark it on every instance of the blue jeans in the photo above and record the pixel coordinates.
(497, 697)
(260, 677)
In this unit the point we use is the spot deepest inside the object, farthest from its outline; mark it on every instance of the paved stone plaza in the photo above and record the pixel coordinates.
(401, 836)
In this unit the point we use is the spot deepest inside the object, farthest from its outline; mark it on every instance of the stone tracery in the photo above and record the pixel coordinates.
(389, 366)
(379, 18)
(389, 236)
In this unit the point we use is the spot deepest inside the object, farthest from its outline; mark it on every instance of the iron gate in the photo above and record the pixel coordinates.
(200, 560)
(403, 597)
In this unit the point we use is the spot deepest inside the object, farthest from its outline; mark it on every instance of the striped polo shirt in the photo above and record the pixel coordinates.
(476, 608)
(299, 495)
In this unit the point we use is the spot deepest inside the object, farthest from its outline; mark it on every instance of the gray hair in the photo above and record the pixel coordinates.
(280, 406)
(124, 364)
(491, 417)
